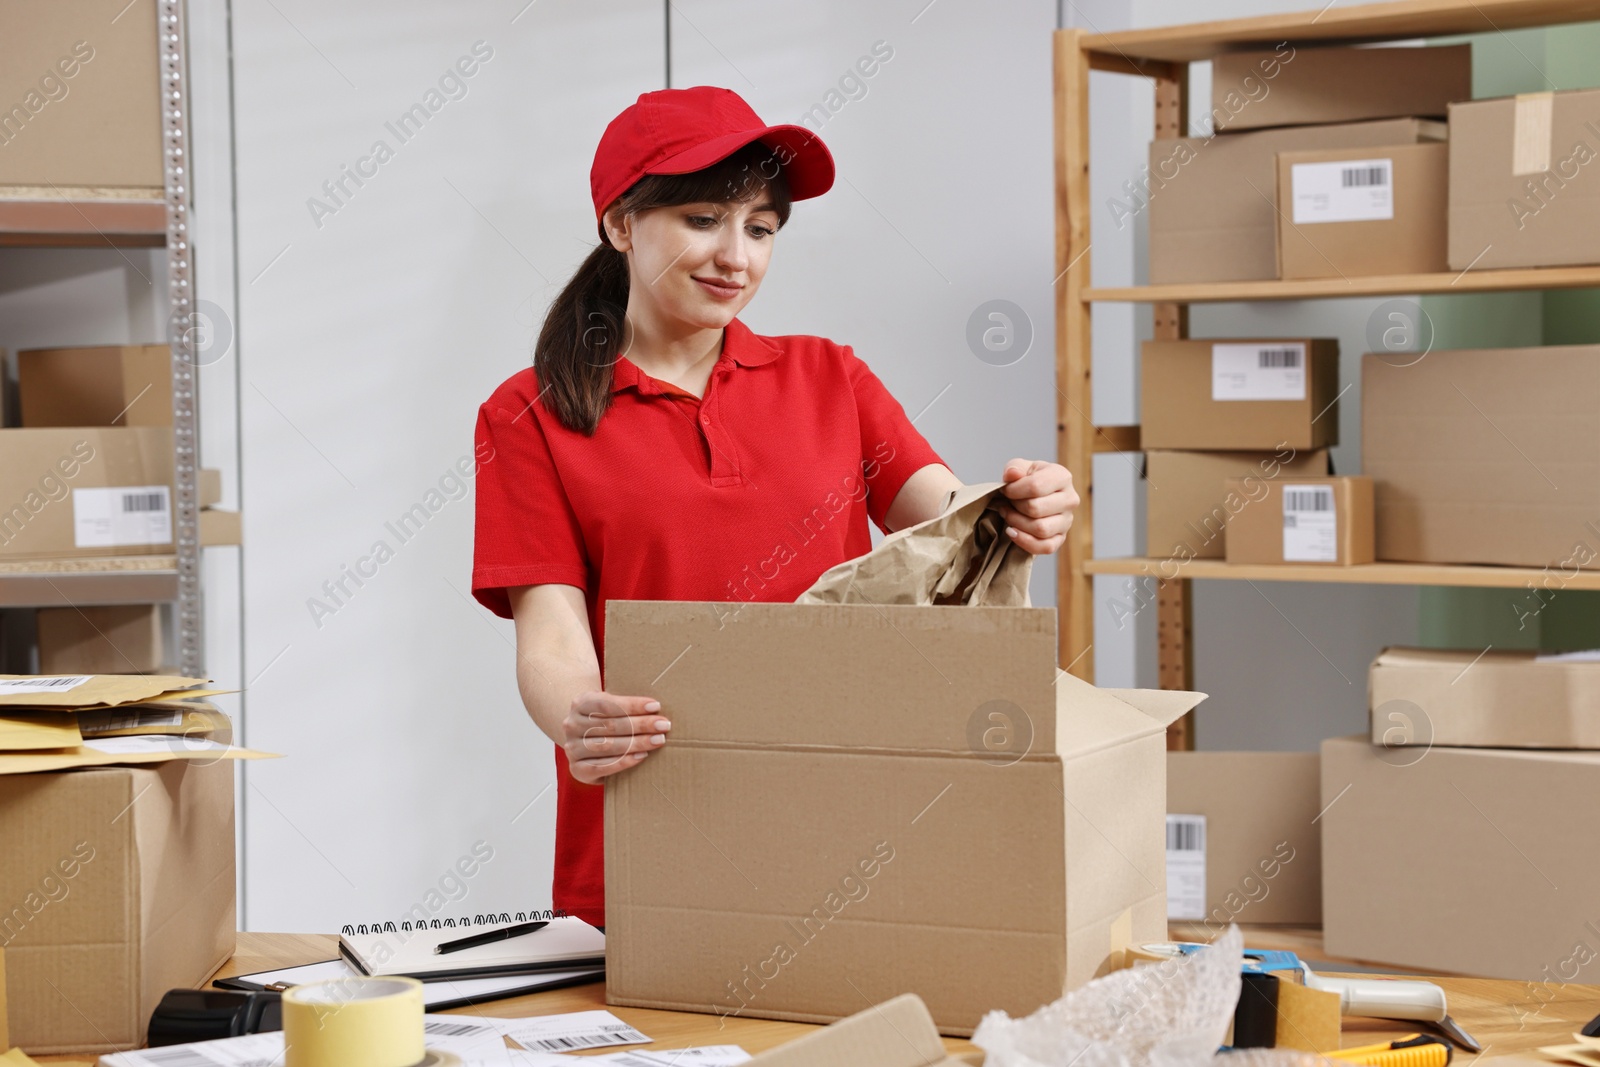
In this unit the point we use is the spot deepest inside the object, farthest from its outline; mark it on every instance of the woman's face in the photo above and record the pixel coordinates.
(699, 264)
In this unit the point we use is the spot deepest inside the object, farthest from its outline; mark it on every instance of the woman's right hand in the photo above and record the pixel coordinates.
(604, 733)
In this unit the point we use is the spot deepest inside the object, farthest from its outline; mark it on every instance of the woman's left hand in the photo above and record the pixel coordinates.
(1038, 511)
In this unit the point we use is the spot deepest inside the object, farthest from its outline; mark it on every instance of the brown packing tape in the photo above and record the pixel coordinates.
(961, 556)
(1308, 1019)
(1531, 133)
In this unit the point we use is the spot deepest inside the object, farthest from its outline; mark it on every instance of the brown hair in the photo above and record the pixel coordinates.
(582, 333)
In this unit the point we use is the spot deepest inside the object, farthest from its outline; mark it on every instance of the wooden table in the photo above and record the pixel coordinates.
(1505, 1017)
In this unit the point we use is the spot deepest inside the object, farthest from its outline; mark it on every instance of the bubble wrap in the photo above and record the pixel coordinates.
(1170, 1014)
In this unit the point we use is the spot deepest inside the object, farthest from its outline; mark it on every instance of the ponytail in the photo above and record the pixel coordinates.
(582, 337)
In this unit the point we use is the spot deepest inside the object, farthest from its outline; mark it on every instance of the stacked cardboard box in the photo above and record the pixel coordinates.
(116, 823)
(1524, 187)
(1454, 835)
(1262, 411)
(1318, 153)
(1486, 456)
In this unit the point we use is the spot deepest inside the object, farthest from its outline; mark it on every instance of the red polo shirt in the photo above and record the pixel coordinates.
(747, 494)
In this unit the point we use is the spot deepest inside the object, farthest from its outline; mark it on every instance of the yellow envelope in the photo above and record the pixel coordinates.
(70, 692)
(102, 752)
(21, 732)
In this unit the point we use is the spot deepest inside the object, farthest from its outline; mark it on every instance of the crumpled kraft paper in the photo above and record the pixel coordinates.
(961, 556)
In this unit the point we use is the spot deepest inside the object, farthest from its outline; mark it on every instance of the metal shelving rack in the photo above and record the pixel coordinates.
(1163, 55)
(69, 219)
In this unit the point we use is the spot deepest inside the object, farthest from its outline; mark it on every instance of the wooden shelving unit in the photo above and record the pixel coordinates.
(1163, 55)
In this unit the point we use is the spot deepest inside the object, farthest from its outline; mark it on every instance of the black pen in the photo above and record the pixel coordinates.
(487, 939)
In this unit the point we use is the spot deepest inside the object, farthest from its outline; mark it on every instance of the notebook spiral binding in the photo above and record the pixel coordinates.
(489, 919)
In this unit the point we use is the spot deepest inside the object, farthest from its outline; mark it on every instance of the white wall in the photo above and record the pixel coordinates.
(366, 344)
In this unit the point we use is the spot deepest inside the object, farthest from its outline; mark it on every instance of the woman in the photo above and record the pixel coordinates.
(660, 450)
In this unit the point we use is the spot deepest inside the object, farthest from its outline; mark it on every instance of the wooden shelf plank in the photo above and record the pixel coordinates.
(1335, 24)
(1476, 281)
(52, 583)
(1362, 574)
(69, 221)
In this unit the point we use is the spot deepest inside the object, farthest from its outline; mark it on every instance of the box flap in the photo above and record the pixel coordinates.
(896, 1033)
(1089, 718)
(836, 675)
(1166, 706)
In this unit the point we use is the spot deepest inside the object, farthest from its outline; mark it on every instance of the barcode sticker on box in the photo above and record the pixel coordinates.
(1310, 524)
(1352, 190)
(1186, 867)
(1259, 371)
(39, 684)
(125, 515)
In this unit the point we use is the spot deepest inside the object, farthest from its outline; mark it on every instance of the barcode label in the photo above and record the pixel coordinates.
(56, 684)
(251, 1050)
(137, 721)
(178, 1056)
(1355, 177)
(122, 516)
(575, 1030)
(1186, 867)
(1351, 190)
(445, 1028)
(1317, 498)
(1258, 371)
(1310, 524)
(1186, 833)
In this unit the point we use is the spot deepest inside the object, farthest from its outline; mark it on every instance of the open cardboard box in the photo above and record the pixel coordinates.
(863, 799)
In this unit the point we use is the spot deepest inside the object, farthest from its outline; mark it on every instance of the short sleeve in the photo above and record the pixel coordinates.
(525, 532)
(892, 449)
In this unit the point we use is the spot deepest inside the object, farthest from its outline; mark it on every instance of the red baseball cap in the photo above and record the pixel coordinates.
(675, 131)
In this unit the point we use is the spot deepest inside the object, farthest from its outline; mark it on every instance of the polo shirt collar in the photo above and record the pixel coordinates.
(739, 344)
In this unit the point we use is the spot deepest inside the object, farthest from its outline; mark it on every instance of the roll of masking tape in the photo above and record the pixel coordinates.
(358, 1022)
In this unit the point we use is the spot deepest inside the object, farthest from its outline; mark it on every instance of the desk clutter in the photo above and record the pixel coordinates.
(117, 828)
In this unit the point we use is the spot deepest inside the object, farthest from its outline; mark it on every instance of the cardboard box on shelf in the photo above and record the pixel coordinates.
(82, 83)
(1462, 860)
(1213, 214)
(120, 884)
(1485, 455)
(1257, 855)
(109, 385)
(1524, 190)
(111, 639)
(1187, 502)
(79, 492)
(909, 793)
(1363, 211)
(1292, 86)
(1239, 394)
(1484, 698)
(218, 527)
(1302, 520)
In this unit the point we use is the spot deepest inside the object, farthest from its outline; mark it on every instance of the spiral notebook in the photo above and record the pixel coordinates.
(566, 944)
